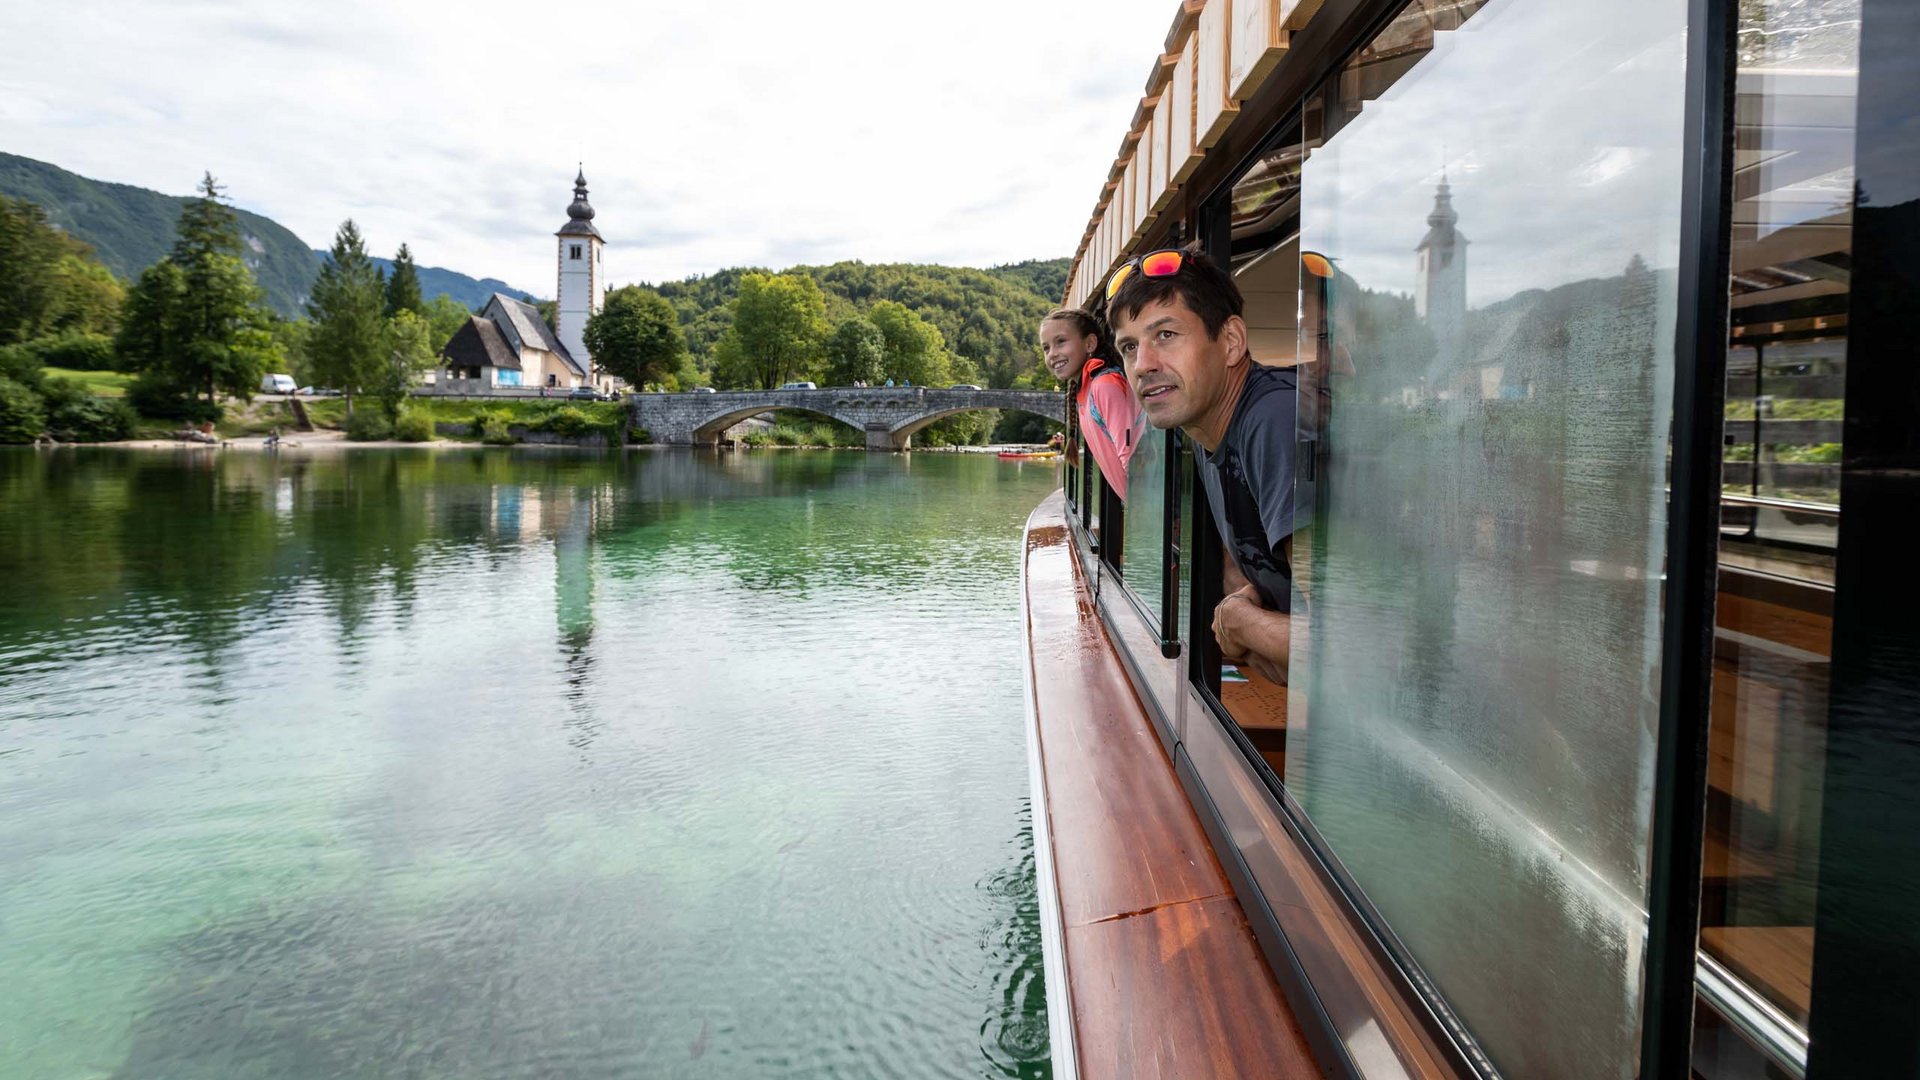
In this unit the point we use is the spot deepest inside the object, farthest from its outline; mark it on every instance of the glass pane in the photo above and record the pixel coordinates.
(1183, 467)
(1480, 579)
(1786, 381)
(1266, 267)
(1144, 566)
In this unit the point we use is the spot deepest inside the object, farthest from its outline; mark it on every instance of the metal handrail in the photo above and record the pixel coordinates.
(1822, 509)
(1783, 1041)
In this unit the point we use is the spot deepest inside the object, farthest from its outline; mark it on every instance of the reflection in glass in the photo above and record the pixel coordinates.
(1476, 678)
(1144, 571)
(1266, 267)
(1786, 381)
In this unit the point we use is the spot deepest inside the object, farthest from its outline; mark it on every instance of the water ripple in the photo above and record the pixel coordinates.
(484, 765)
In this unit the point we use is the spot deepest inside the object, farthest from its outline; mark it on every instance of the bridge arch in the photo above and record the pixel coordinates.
(708, 431)
(888, 415)
(906, 429)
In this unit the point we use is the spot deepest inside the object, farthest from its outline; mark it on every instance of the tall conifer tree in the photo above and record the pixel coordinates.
(200, 326)
(207, 226)
(348, 311)
(403, 286)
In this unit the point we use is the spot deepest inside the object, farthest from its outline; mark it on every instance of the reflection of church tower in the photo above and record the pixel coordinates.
(582, 277)
(1440, 292)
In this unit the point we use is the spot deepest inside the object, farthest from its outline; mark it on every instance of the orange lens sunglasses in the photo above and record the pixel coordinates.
(1163, 263)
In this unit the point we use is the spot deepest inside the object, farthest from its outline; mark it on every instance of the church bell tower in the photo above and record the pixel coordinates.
(582, 286)
(1440, 292)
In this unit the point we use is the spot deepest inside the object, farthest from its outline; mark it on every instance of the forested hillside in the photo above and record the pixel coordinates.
(990, 317)
(130, 228)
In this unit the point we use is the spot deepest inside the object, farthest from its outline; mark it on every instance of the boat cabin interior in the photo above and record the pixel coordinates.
(1593, 751)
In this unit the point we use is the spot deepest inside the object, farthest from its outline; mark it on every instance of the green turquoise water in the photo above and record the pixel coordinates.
(451, 763)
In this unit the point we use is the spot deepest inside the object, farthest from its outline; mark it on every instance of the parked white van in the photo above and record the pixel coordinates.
(277, 384)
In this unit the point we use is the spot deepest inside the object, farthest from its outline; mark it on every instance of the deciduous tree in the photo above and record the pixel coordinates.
(856, 352)
(916, 352)
(779, 324)
(30, 250)
(447, 316)
(406, 352)
(87, 297)
(637, 337)
(51, 283)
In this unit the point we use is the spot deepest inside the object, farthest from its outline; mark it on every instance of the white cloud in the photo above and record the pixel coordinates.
(1565, 182)
(746, 132)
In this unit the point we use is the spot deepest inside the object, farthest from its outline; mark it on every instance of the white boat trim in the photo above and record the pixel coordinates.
(1053, 944)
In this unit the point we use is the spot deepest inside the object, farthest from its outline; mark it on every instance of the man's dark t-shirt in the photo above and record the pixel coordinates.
(1249, 481)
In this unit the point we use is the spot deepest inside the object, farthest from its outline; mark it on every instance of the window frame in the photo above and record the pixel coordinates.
(1692, 535)
(1856, 1026)
(1864, 984)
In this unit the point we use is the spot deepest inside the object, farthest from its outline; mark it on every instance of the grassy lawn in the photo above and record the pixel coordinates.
(103, 383)
(332, 412)
(254, 418)
(326, 412)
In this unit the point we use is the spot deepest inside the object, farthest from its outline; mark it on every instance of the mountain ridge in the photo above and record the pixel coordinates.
(130, 228)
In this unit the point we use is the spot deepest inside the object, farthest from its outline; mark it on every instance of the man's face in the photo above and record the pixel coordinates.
(1065, 348)
(1177, 371)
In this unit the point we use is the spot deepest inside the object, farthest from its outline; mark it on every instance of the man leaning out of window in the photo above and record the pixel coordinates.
(1176, 320)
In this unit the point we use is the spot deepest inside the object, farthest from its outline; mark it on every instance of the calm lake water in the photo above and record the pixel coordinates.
(514, 764)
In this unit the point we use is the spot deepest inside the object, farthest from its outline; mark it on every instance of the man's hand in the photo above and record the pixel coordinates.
(1227, 621)
(1250, 634)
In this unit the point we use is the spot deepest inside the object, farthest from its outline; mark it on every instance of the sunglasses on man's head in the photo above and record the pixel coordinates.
(1163, 263)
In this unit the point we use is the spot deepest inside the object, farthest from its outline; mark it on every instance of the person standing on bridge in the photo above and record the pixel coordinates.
(1079, 354)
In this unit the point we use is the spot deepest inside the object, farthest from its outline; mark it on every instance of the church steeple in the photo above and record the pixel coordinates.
(582, 285)
(580, 211)
(1442, 219)
(1440, 292)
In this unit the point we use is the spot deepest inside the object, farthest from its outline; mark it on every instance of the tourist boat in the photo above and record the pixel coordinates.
(1590, 761)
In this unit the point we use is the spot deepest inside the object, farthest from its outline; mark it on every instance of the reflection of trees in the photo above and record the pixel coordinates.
(1483, 575)
(1801, 32)
(206, 546)
(799, 521)
(1504, 504)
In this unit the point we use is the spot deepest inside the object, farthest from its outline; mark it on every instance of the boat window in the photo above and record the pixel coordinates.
(1264, 224)
(1791, 259)
(1144, 565)
(1477, 617)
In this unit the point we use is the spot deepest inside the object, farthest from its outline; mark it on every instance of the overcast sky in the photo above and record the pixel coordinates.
(1568, 181)
(713, 135)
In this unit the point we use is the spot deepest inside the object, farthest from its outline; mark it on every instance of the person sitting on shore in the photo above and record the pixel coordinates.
(1177, 323)
(1077, 351)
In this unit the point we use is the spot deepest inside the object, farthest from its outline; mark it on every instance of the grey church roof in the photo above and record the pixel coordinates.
(525, 329)
(480, 344)
(580, 212)
(1441, 223)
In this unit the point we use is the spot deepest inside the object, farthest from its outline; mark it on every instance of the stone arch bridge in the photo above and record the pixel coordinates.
(889, 415)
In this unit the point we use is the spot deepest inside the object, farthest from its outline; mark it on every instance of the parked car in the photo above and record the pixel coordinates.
(703, 390)
(583, 393)
(963, 386)
(317, 391)
(277, 384)
(801, 385)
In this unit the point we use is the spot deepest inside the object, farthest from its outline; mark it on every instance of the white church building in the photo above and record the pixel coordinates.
(509, 345)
